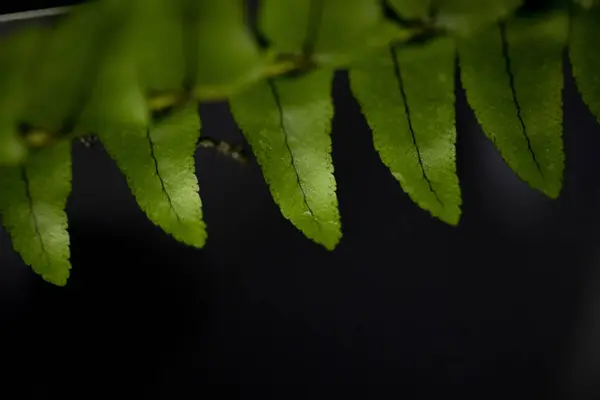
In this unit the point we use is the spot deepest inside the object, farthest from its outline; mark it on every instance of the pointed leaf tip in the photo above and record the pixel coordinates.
(513, 77)
(32, 206)
(156, 158)
(288, 122)
(407, 97)
(159, 166)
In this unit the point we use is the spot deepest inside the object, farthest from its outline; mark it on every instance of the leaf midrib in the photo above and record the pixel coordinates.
(511, 79)
(34, 218)
(160, 178)
(398, 76)
(284, 130)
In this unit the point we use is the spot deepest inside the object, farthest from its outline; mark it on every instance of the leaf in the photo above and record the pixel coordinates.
(513, 79)
(159, 166)
(585, 57)
(333, 32)
(407, 97)
(411, 9)
(17, 53)
(222, 37)
(288, 122)
(465, 17)
(156, 159)
(32, 206)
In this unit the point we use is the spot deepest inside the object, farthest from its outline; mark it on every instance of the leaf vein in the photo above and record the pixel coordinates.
(277, 98)
(160, 178)
(511, 78)
(36, 226)
(398, 76)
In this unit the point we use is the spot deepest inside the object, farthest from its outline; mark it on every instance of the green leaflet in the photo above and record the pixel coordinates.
(59, 85)
(513, 80)
(157, 160)
(16, 58)
(287, 122)
(222, 37)
(407, 97)
(158, 163)
(334, 32)
(585, 57)
(32, 206)
(411, 9)
(464, 17)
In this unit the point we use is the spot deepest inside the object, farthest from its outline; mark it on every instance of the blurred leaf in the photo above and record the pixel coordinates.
(513, 80)
(334, 32)
(159, 43)
(17, 55)
(32, 206)
(66, 65)
(464, 17)
(411, 9)
(585, 57)
(116, 98)
(227, 55)
(407, 97)
(288, 122)
(157, 159)
(588, 4)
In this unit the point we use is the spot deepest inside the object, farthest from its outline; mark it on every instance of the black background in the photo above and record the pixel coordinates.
(504, 304)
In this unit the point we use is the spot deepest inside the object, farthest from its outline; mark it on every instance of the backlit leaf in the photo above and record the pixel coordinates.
(287, 121)
(32, 206)
(407, 97)
(513, 79)
(156, 158)
(334, 32)
(585, 57)
(158, 163)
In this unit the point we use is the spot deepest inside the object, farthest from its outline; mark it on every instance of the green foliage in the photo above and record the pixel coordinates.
(34, 196)
(512, 74)
(132, 73)
(158, 162)
(585, 57)
(156, 157)
(407, 96)
(287, 122)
